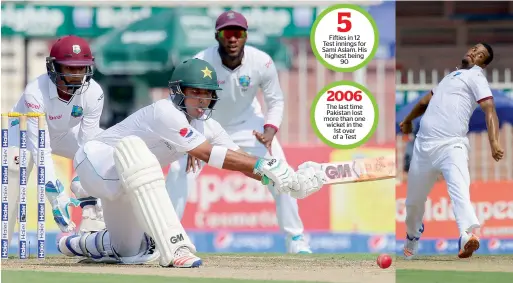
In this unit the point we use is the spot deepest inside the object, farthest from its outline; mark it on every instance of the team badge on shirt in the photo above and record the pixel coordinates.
(244, 82)
(186, 133)
(77, 111)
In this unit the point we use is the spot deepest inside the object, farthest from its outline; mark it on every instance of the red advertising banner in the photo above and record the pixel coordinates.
(492, 201)
(229, 200)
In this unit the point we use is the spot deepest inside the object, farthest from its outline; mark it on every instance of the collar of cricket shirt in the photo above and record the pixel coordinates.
(220, 60)
(478, 68)
(52, 89)
(244, 55)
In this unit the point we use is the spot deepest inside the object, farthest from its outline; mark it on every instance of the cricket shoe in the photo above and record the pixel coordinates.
(184, 258)
(411, 245)
(298, 245)
(92, 212)
(467, 245)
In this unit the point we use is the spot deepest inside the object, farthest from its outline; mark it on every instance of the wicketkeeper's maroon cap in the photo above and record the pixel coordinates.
(231, 18)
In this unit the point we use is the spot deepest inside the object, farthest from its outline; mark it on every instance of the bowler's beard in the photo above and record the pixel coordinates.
(224, 54)
(465, 64)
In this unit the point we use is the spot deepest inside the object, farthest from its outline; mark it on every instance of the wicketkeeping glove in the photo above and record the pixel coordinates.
(60, 205)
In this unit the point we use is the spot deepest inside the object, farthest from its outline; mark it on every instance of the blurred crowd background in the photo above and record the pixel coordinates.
(136, 47)
(432, 37)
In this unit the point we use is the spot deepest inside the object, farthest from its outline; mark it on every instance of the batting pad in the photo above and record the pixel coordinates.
(14, 185)
(142, 178)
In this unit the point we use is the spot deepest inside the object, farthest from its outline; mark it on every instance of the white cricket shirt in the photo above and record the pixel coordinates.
(454, 100)
(165, 130)
(238, 101)
(81, 111)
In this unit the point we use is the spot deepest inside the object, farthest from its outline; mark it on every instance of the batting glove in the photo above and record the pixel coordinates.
(307, 164)
(310, 181)
(278, 173)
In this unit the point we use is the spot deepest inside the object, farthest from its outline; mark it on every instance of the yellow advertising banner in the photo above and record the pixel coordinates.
(367, 207)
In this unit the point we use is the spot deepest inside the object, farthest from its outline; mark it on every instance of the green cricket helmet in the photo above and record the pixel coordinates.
(194, 73)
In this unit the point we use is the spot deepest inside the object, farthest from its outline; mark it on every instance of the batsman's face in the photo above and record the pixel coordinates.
(232, 39)
(197, 100)
(476, 55)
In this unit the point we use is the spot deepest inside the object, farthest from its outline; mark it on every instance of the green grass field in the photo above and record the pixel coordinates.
(444, 269)
(430, 276)
(218, 268)
(269, 268)
(50, 277)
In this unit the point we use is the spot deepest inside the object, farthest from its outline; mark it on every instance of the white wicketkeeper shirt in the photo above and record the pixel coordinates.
(80, 116)
(238, 101)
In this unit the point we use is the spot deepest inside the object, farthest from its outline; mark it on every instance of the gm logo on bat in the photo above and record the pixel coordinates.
(339, 171)
(379, 166)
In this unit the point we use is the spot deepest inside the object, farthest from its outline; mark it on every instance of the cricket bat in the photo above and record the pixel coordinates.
(360, 170)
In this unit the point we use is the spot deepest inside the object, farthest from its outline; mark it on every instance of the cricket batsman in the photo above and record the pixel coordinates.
(243, 70)
(442, 146)
(72, 103)
(122, 166)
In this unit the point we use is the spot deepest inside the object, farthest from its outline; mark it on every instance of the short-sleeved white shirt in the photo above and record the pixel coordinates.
(454, 100)
(82, 111)
(238, 102)
(166, 131)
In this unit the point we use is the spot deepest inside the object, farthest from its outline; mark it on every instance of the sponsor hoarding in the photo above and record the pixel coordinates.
(365, 207)
(492, 201)
(227, 200)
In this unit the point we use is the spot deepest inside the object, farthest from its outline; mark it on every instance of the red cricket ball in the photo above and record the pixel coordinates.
(384, 261)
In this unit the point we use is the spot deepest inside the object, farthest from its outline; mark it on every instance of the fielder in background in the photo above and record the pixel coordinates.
(242, 70)
(442, 146)
(123, 167)
(72, 102)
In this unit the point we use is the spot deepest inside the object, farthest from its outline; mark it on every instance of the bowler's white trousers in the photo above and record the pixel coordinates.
(430, 158)
(179, 183)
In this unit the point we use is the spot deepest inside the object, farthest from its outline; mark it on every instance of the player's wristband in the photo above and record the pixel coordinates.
(257, 169)
(217, 156)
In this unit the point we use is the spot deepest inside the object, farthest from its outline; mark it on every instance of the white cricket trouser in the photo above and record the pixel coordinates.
(96, 168)
(430, 158)
(179, 183)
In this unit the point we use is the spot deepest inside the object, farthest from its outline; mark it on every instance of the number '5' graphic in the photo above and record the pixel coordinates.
(341, 21)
